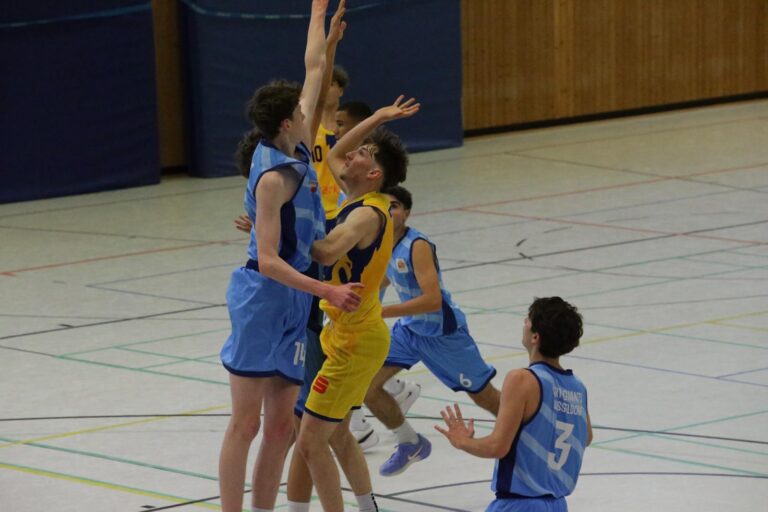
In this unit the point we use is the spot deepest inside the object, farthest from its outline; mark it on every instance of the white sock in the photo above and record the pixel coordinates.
(298, 506)
(358, 421)
(257, 509)
(393, 386)
(406, 434)
(366, 503)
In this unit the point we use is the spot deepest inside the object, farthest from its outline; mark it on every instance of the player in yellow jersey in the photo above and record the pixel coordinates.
(358, 248)
(326, 136)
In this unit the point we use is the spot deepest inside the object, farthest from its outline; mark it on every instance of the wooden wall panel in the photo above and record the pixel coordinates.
(527, 61)
(170, 89)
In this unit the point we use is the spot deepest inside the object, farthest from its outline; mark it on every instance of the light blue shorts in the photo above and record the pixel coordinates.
(452, 358)
(312, 364)
(269, 324)
(528, 505)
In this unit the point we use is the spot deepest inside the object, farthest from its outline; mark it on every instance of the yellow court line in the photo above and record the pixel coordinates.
(745, 327)
(626, 335)
(104, 485)
(105, 427)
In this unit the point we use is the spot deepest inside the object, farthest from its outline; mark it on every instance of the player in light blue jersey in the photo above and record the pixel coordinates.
(269, 298)
(543, 424)
(431, 329)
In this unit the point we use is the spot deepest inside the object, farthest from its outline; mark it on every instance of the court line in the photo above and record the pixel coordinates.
(98, 483)
(742, 373)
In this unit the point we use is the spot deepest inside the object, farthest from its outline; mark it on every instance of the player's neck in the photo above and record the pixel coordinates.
(329, 117)
(355, 192)
(399, 232)
(535, 357)
(284, 144)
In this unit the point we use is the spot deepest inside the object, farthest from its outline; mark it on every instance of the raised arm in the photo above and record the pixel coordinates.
(335, 33)
(425, 269)
(355, 137)
(314, 65)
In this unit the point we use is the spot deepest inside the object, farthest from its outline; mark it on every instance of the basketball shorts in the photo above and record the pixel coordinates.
(452, 358)
(312, 363)
(352, 359)
(528, 505)
(269, 323)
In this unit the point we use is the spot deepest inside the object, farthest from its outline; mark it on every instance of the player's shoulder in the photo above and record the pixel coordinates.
(520, 379)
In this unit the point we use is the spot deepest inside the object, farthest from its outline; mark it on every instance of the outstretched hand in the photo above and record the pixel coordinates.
(336, 30)
(457, 430)
(399, 109)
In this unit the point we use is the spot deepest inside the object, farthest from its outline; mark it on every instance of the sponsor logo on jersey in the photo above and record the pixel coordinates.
(402, 266)
(321, 384)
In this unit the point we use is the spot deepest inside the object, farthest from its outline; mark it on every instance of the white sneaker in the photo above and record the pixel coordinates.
(408, 395)
(367, 437)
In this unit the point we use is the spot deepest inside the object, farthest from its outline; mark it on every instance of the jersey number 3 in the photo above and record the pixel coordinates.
(561, 443)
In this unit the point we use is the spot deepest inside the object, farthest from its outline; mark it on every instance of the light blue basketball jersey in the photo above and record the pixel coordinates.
(302, 218)
(402, 277)
(546, 455)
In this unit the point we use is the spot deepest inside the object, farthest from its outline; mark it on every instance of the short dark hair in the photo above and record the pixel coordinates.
(340, 76)
(357, 110)
(271, 104)
(401, 194)
(245, 149)
(390, 155)
(558, 324)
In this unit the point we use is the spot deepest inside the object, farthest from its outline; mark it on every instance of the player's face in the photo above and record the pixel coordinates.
(398, 212)
(335, 91)
(343, 124)
(527, 334)
(296, 128)
(358, 163)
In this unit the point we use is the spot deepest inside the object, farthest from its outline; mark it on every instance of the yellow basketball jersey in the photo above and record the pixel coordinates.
(367, 266)
(329, 189)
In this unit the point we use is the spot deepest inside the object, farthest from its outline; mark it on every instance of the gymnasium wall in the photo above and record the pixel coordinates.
(77, 98)
(537, 60)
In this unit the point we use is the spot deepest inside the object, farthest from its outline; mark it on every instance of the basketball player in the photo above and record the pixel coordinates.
(543, 424)
(355, 344)
(431, 329)
(269, 298)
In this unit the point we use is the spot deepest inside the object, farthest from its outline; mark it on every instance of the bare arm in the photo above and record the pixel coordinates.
(431, 299)
(519, 390)
(355, 137)
(360, 226)
(589, 430)
(335, 33)
(274, 190)
(314, 64)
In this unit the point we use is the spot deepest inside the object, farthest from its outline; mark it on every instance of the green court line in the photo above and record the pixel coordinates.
(201, 360)
(674, 429)
(711, 445)
(145, 341)
(683, 461)
(141, 370)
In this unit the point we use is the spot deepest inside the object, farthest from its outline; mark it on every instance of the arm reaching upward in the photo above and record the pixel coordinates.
(335, 34)
(314, 65)
(355, 137)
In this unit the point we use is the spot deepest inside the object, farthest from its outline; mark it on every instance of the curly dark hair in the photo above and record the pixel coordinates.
(340, 76)
(558, 324)
(401, 194)
(271, 104)
(244, 151)
(390, 155)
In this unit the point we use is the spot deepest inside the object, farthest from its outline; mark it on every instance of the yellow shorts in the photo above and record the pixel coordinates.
(353, 357)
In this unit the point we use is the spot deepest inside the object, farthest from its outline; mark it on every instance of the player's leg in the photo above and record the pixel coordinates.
(313, 444)
(350, 456)
(277, 435)
(247, 396)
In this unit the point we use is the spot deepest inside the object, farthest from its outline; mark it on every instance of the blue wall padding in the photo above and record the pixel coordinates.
(78, 98)
(390, 47)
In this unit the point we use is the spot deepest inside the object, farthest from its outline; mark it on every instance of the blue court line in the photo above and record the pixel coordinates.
(742, 373)
(152, 295)
(711, 445)
(107, 13)
(143, 342)
(665, 370)
(233, 265)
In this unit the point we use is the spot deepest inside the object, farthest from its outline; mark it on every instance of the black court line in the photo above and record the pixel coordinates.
(95, 324)
(97, 233)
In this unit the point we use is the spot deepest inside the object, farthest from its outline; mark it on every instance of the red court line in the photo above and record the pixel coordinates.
(611, 226)
(116, 256)
(681, 177)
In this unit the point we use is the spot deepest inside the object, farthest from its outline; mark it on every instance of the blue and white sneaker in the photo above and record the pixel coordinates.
(405, 455)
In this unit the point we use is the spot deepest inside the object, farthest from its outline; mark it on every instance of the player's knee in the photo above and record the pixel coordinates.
(279, 432)
(306, 447)
(246, 427)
